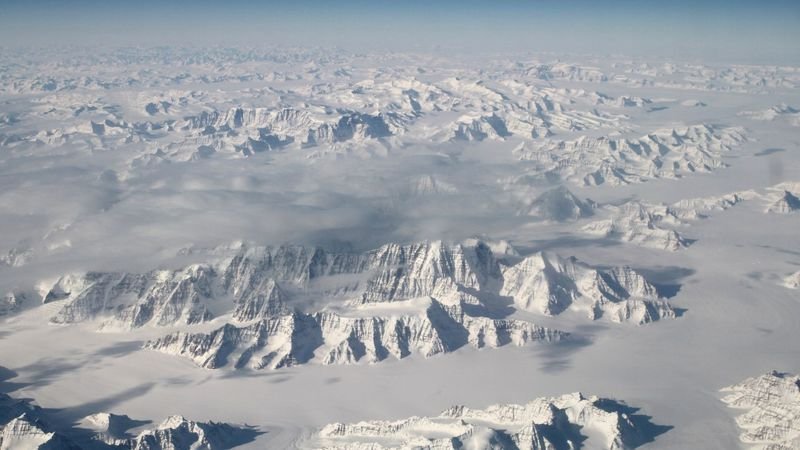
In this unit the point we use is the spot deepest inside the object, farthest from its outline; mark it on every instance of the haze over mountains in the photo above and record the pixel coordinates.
(472, 226)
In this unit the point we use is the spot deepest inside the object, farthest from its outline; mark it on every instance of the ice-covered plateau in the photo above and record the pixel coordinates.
(569, 421)
(771, 404)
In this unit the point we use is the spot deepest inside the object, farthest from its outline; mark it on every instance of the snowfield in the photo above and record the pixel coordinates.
(308, 248)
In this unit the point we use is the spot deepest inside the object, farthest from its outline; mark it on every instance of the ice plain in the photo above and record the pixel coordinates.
(686, 173)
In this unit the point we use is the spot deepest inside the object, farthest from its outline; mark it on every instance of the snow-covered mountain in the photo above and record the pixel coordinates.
(26, 426)
(126, 173)
(771, 404)
(328, 338)
(559, 205)
(548, 284)
(249, 283)
(785, 203)
(792, 281)
(568, 421)
(665, 153)
(660, 225)
(781, 110)
(640, 224)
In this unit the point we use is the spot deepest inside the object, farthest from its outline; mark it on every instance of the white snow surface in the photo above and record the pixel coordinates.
(282, 239)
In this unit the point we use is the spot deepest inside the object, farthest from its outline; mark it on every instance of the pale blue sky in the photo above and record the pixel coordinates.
(732, 29)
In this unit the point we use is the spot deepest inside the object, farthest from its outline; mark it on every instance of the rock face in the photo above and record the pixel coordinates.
(328, 338)
(669, 153)
(772, 416)
(559, 205)
(548, 284)
(568, 421)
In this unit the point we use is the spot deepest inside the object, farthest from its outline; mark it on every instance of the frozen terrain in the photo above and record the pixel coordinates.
(771, 405)
(315, 248)
(568, 421)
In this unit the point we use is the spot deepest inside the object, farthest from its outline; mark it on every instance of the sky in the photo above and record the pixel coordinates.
(766, 30)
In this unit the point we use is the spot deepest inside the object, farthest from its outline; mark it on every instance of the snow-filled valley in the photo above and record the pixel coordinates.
(307, 248)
